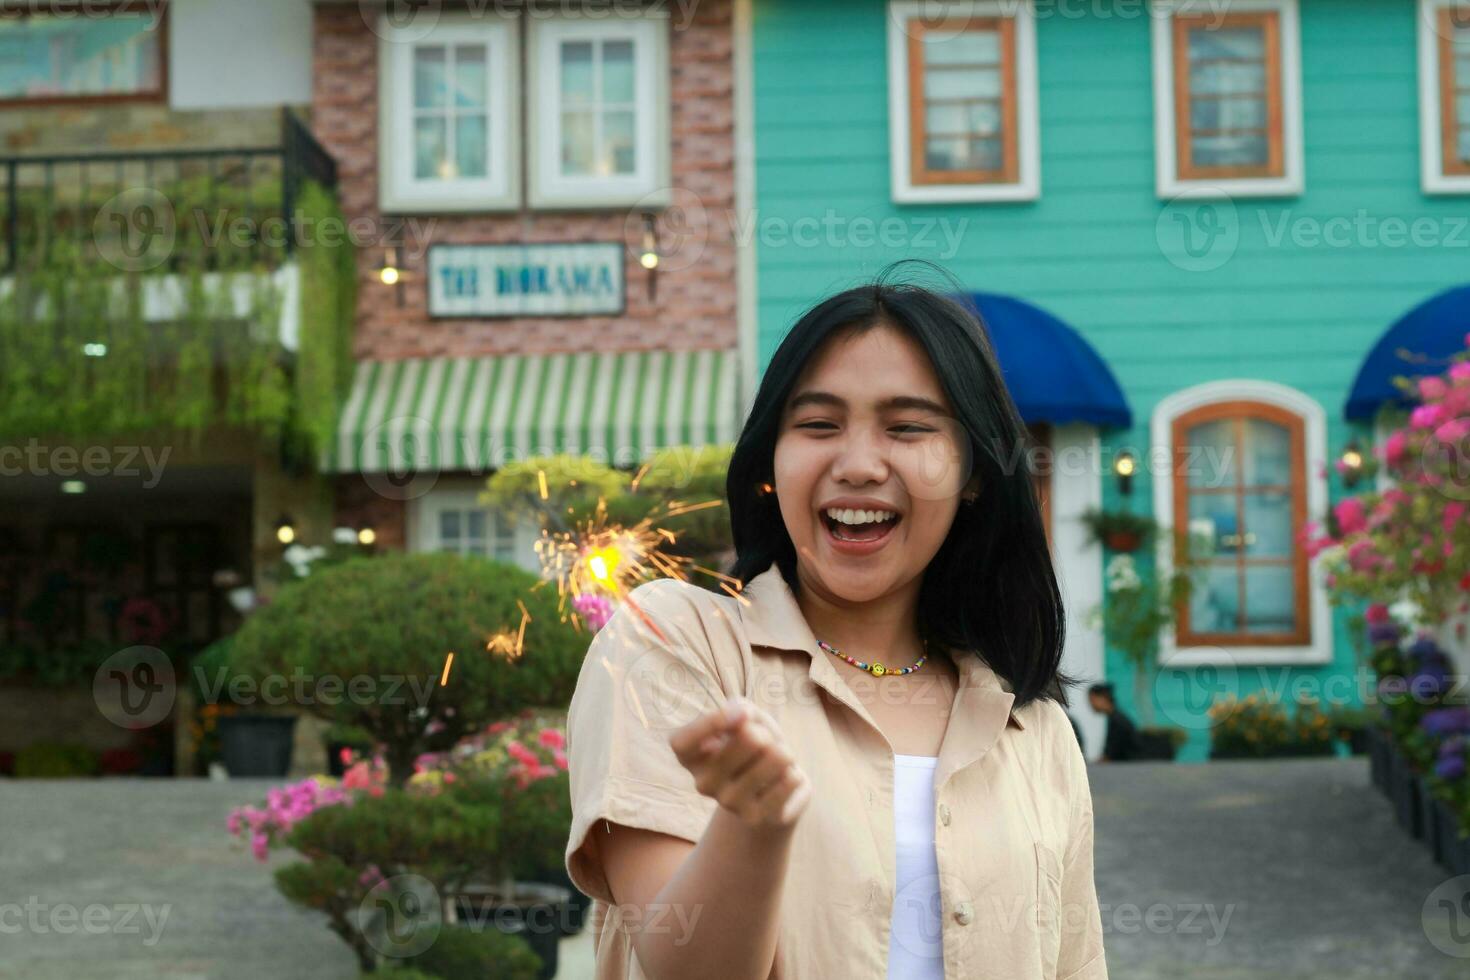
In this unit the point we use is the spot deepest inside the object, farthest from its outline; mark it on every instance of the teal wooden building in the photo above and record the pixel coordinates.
(1189, 224)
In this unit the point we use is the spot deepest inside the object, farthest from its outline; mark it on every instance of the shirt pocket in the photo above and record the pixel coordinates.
(1048, 907)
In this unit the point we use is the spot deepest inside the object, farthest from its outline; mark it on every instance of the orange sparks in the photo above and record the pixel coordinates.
(444, 678)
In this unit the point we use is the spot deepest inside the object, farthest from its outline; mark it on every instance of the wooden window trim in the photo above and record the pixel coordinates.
(157, 94)
(1449, 126)
(920, 174)
(1270, 23)
(1238, 412)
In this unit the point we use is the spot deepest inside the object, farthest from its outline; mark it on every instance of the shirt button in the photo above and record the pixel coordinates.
(964, 913)
(944, 814)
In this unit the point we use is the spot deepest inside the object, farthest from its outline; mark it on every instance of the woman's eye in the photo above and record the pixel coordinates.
(911, 428)
(816, 424)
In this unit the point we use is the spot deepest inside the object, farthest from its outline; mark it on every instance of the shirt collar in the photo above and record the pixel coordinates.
(773, 619)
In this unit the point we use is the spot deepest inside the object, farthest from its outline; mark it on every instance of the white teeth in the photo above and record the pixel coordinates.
(849, 516)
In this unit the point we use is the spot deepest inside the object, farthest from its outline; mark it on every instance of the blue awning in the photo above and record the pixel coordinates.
(1422, 342)
(1053, 374)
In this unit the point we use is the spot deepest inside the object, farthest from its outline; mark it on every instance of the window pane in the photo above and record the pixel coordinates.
(963, 154)
(1270, 599)
(1231, 113)
(964, 48)
(1227, 78)
(953, 83)
(617, 71)
(1230, 151)
(1267, 453)
(43, 56)
(1268, 524)
(476, 523)
(576, 143)
(1210, 454)
(576, 73)
(953, 118)
(619, 145)
(470, 145)
(429, 148)
(1213, 514)
(470, 89)
(1233, 43)
(449, 525)
(1214, 605)
(430, 87)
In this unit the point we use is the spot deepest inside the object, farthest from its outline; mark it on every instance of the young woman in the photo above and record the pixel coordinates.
(859, 767)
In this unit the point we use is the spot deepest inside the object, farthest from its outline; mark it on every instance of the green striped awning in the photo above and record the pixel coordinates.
(444, 414)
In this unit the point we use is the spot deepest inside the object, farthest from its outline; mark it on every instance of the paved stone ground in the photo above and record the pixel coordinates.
(1302, 856)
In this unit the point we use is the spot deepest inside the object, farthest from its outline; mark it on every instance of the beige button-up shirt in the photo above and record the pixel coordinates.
(1013, 812)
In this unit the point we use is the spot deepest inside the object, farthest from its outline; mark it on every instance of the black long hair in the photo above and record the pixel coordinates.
(991, 587)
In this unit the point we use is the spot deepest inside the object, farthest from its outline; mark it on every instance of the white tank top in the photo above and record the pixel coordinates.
(915, 948)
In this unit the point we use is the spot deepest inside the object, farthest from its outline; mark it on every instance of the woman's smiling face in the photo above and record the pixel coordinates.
(869, 464)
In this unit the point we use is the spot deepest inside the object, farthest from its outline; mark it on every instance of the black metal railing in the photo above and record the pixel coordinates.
(161, 209)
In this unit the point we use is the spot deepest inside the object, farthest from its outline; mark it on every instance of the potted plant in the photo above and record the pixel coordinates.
(1136, 608)
(1119, 530)
(252, 742)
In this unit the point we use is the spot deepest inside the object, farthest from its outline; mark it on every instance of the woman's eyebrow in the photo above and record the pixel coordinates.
(829, 400)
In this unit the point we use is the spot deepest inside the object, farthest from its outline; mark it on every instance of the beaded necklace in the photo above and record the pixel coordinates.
(875, 668)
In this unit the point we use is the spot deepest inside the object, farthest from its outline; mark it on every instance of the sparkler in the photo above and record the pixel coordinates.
(511, 644)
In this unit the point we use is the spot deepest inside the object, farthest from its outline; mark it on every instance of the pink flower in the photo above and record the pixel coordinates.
(496, 728)
(1376, 613)
(552, 739)
(1452, 431)
(521, 754)
(1350, 516)
(1460, 371)
(1432, 388)
(560, 758)
(1426, 417)
(1395, 447)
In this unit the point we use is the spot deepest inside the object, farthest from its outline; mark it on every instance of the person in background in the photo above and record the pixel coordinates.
(1121, 743)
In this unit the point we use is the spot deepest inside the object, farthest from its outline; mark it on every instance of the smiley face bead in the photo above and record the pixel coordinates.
(878, 670)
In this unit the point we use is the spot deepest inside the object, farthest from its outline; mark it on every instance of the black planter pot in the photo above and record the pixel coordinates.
(1433, 839)
(1358, 740)
(1154, 746)
(574, 917)
(1404, 794)
(1377, 757)
(1454, 850)
(533, 912)
(257, 745)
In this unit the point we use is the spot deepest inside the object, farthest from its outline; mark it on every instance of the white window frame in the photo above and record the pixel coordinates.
(464, 495)
(398, 189)
(1314, 420)
(649, 184)
(1027, 186)
(1166, 165)
(1432, 177)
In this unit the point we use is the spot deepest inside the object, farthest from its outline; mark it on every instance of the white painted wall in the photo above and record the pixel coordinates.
(1076, 485)
(235, 54)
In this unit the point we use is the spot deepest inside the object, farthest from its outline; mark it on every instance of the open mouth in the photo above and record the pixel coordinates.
(860, 526)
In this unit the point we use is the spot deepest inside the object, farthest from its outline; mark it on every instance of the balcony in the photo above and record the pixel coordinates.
(174, 289)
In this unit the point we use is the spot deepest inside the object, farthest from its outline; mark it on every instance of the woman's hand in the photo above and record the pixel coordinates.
(738, 757)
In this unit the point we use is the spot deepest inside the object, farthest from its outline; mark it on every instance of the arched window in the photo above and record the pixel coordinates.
(1244, 477)
(1239, 483)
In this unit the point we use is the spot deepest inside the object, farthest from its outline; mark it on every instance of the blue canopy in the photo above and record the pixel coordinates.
(1421, 342)
(1053, 374)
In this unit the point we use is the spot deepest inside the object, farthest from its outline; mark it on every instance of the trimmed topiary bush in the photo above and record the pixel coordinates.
(464, 954)
(364, 643)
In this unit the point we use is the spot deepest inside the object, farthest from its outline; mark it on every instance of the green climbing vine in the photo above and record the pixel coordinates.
(80, 355)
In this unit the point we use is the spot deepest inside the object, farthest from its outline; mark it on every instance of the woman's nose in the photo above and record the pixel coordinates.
(859, 461)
